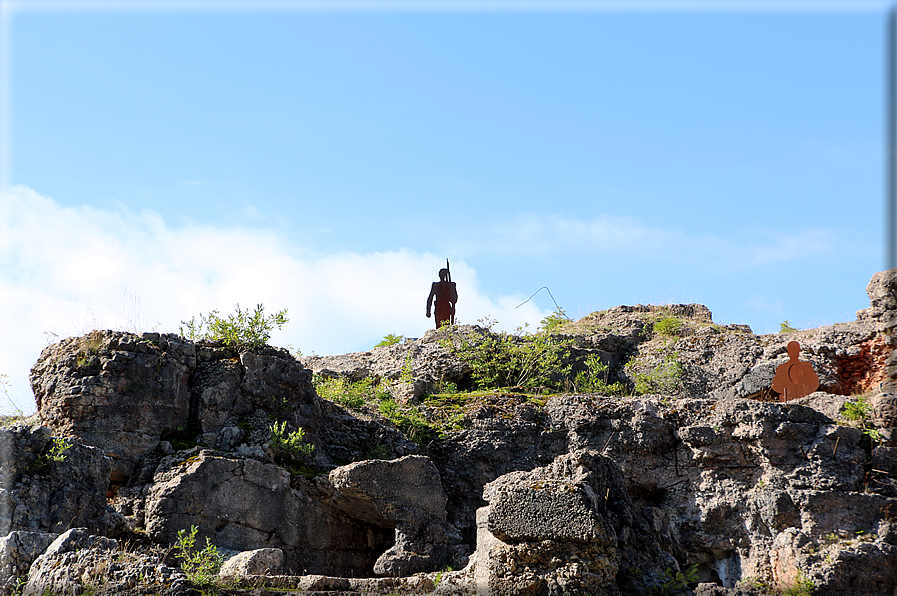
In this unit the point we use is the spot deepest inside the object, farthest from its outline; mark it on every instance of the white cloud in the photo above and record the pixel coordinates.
(730, 249)
(67, 270)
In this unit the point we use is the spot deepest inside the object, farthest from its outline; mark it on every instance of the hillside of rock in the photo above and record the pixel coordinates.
(690, 476)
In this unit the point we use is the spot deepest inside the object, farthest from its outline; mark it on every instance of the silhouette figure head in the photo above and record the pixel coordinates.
(443, 274)
(793, 350)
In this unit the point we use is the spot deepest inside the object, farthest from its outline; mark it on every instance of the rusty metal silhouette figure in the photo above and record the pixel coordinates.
(446, 296)
(794, 378)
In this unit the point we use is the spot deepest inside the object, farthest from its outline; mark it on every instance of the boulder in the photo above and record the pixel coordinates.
(406, 494)
(882, 292)
(243, 504)
(262, 561)
(122, 392)
(560, 529)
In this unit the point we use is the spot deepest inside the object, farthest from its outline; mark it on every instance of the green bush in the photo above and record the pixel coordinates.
(58, 449)
(514, 360)
(663, 378)
(674, 583)
(554, 320)
(859, 410)
(670, 326)
(390, 339)
(787, 328)
(201, 567)
(594, 378)
(53, 452)
(803, 586)
(350, 394)
(288, 446)
(243, 329)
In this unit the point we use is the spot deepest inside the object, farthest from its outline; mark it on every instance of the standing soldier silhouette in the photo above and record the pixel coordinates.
(446, 296)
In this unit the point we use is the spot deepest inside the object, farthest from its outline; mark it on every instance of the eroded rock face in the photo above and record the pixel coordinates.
(115, 391)
(243, 504)
(561, 529)
(18, 550)
(48, 491)
(125, 394)
(717, 480)
(407, 494)
(78, 562)
(735, 486)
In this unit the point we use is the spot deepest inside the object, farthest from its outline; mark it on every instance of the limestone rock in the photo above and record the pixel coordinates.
(416, 367)
(712, 481)
(243, 504)
(18, 550)
(405, 494)
(323, 583)
(77, 562)
(47, 491)
(584, 493)
(882, 292)
(115, 391)
(263, 561)
(555, 530)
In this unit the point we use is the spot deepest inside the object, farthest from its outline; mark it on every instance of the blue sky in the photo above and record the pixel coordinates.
(163, 160)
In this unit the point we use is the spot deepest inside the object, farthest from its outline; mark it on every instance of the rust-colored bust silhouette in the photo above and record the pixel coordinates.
(795, 378)
(446, 296)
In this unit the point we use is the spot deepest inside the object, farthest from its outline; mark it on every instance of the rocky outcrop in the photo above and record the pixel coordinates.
(129, 395)
(723, 480)
(705, 476)
(115, 391)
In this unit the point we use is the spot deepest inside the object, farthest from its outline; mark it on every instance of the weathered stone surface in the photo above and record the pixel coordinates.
(18, 550)
(560, 529)
(348, 438)
(416, 368)
(115, 391)
(77, 562)
(882, 292)
(41, 493)
(407, 494)
(884, 410)
(262, 561)
(322, 582)
(267, 379)
(836, 564)
(244, 504)
(717, 480)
